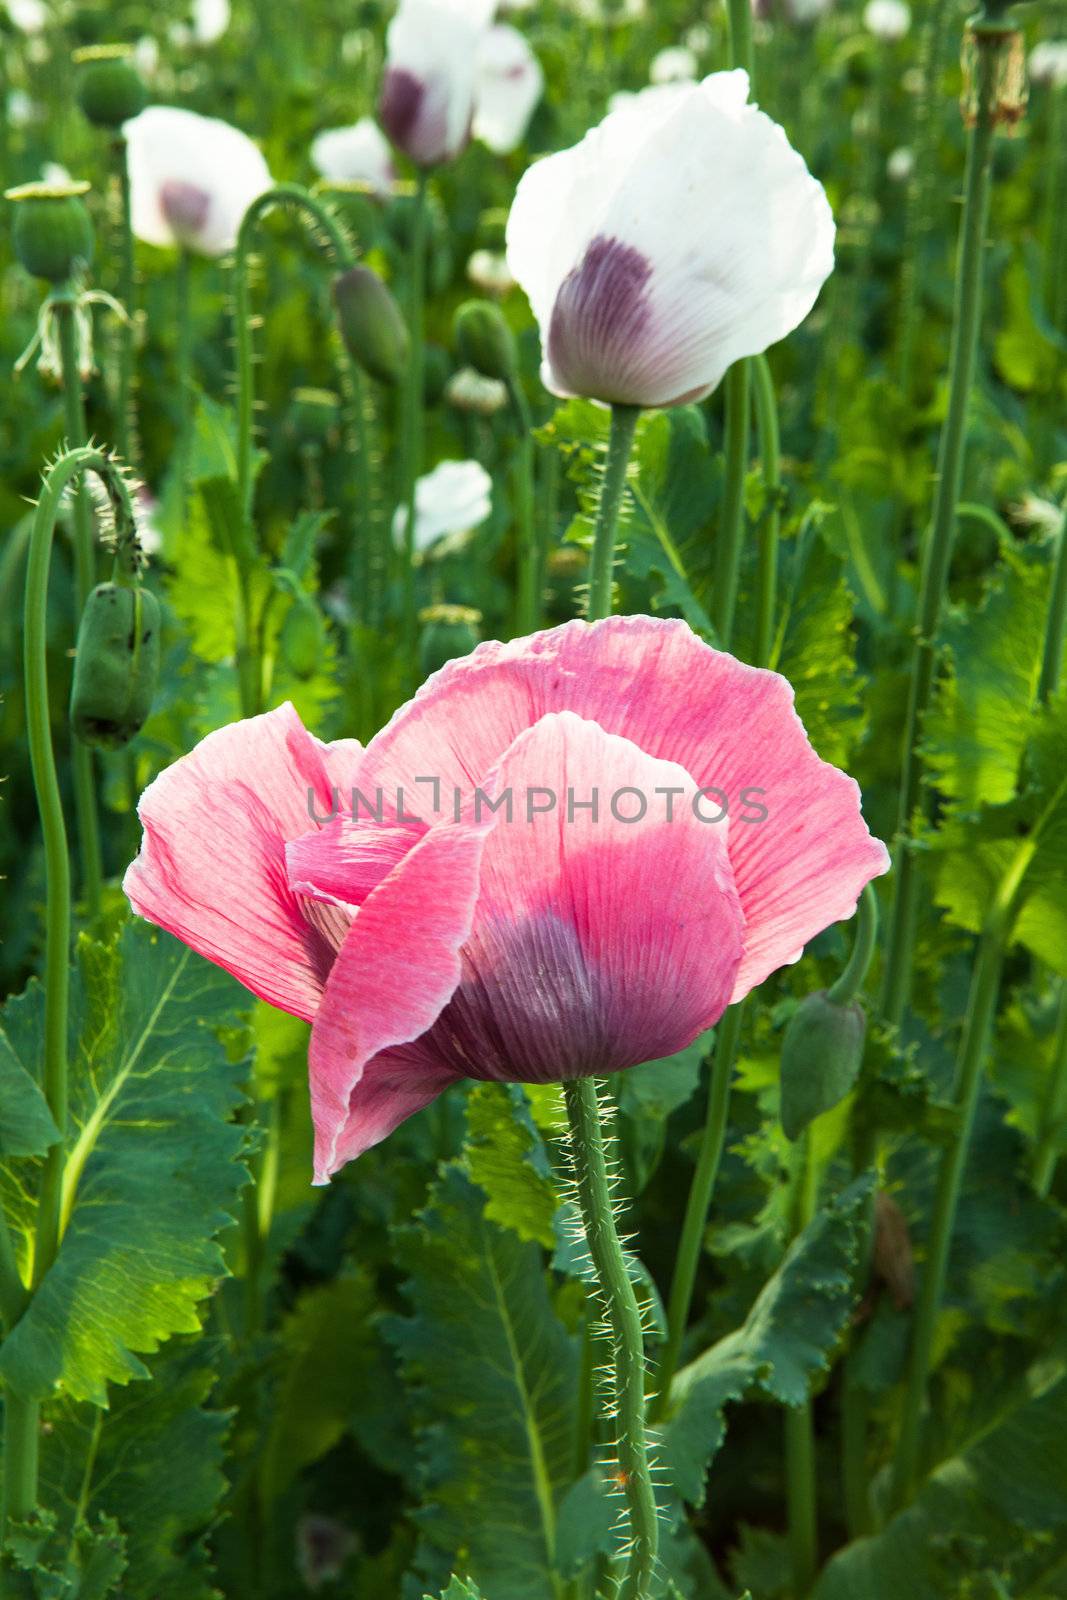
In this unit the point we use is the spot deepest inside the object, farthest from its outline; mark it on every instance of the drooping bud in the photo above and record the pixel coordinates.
(116, 665)
(110, 89)
(372, 324)
(303, 637)
(447, 632)
(484, 341)
(822, 1052)
(53, 234)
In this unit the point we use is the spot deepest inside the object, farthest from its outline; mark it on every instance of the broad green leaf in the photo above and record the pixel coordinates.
(26, 1124)
(153, 1169)
(504, 1156)
(786, 1341)
(494, 1386)
(995, 1507)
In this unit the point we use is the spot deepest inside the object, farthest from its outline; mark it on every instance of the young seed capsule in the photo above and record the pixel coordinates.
(116, 665)
(447, 632)
(484, 341)
(53, 235)
(822, 1053)
(110, 89)
(372, 324)
(302, 638)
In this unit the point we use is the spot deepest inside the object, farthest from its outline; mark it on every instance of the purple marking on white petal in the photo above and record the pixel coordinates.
(399, 104)
(599, 321)
(185, 206)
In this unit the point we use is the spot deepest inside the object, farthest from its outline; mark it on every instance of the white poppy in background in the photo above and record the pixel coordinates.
(427, 98)
(211, 18)
(489, 272)
(192, 179)
(887, 19)
(508, 85)
(28, 16)
(146, 56)
(21, 110)
(676, 64)
(900, 165)
(451, 501)
(359, 154)
(1048, 63)
(682, 233)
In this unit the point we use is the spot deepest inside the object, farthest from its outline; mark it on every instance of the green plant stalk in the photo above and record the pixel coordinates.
(124, 400)
(937, 554)
(528, 606)
(698, 1204)
(798, 1423)
(852, 979)
(732, 521)
(978, 1024)
(917, 217)
(87, 821)
(602, 559)
(183, 367)
(624, 1320)
(1056, 622)
(1055, 200)
(766, 408)
(412, 409)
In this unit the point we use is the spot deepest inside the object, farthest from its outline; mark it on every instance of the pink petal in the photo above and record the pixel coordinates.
(211, 868)
(653, 681)
(360, 855)
(393, 975)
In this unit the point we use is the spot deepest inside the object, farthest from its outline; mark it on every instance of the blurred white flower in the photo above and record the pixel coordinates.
(21, 110)
(901, 164)
(698, 38)
(1048, 63)
(53, 172)
(467, 390)
(609, 11)
(427, 97)
(673, 65)
(192, 179)
(359, 154)
(490, 272)
(146, 56)
(682, 233)
(28, 16)
(211, 18)
(450, 502)
(887, 19)
(508, 85)
(803, 12)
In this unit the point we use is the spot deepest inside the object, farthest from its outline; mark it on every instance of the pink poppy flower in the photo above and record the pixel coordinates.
(566, 855)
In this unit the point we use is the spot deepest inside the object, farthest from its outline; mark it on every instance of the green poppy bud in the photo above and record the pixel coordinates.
(447, 632)
(484, 341)
(822, 1052)
(110, 90)
(53, 235)
(303, 637)
(372, 324)
(116, 665)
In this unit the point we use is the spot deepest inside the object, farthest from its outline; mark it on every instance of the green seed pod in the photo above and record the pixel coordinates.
(116, 665)
(447, 632)
(53, 235)
(314, 415)
(372, 324)
(484, 341)
(110, 89)
(303, 638)
(822, 1052)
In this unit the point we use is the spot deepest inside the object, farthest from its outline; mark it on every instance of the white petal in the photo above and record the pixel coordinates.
(211, 18)
(454, 498)
(508, 86)
(428, 90)
(168, 146)
(359, 154)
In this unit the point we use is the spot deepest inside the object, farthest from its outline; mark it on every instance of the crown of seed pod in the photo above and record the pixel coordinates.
(447, 632)
(110, 89)
(53, 234)
(822, 1052)
(116, 665)
(484, 341)
(371, 323)
(313, 414)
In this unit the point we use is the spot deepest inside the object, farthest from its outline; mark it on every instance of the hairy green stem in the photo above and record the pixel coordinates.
(854, 975)
(766, 408)
(602, 560)
(624, 1320)
(412, 420)
(917, 216)
(528, 605)
(798, 1422)
(732, 520)
(124, 430)
(937, 554)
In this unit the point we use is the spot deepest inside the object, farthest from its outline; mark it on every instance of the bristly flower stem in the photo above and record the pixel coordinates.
(412, 401)
(602, 561)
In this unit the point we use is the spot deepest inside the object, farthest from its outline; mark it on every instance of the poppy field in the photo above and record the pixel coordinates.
(533, 821)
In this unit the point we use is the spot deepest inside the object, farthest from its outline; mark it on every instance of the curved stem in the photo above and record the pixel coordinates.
(413, 396)
(770, 526)
(624, 1320)
(602, 560)
(852, 978)
(88, 825)
(938, 549)
(727, 1038)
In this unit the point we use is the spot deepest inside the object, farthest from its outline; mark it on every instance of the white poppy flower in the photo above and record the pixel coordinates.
(450, 501)
(427, 98)
(192, 179)
(900, 165)
(359, 154)
(489, 272)
(28, 16)
(21, 110)
(1048, 63)
(676, 64)
(146, 56)
(508, 85)
(682, 233)
(211, 18)
(887, 19)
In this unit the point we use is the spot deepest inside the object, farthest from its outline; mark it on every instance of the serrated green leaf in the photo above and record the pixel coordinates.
(505, 1157)
(459, 1589)
(152, 1173)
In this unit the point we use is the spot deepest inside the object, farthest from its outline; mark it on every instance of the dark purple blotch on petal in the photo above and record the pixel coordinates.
(399, 104)
(185, 206)
(599, 320)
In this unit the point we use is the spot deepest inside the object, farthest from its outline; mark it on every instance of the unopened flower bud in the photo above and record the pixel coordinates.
(53, 235)
(110, 90)
(484, 340)
(116, 665)
(303, 637)
(371, 323)
(447, 632)
(467, 390)
(822, 1052)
